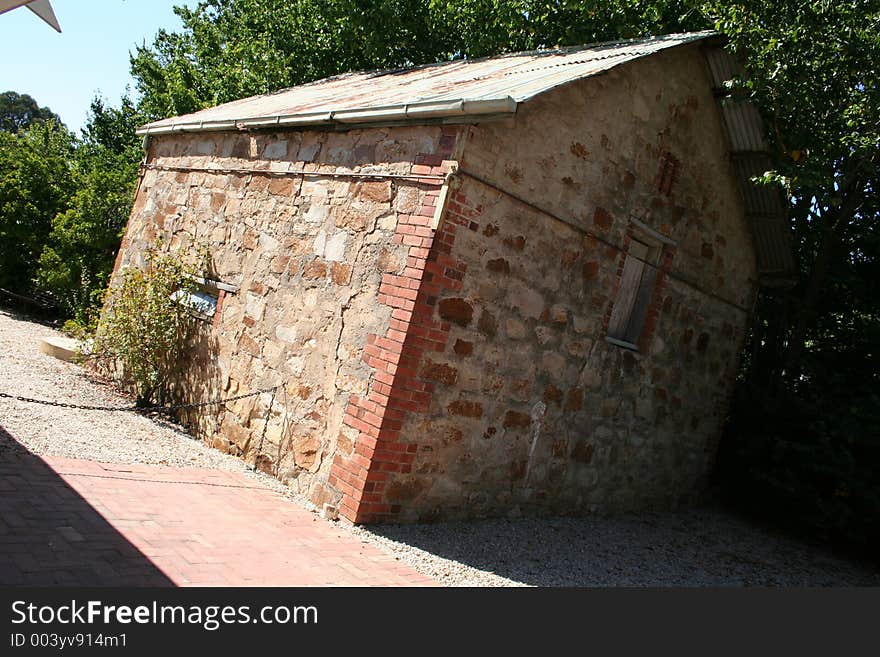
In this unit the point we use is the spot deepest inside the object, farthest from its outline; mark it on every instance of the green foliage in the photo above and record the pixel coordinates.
(112, 129)
(477, 28)
(802, 444)
(20, 111)
(76, 262)
(230, 49)
(808, 463)
(64, 204)
(813, 69)
(144, 328)
(36, 183)
(78, 257)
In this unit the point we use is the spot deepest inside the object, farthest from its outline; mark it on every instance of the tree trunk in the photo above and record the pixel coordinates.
(834, 227)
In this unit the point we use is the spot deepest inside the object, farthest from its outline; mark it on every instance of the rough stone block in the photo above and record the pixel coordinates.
(376, 191)
(282, 186)
(440, 372)
(315, 269)
(340, 273)
(276, 150)
(456, 310)
(335, 247)
(465, 408)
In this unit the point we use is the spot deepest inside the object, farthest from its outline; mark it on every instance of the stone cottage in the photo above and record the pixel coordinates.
(510, 285)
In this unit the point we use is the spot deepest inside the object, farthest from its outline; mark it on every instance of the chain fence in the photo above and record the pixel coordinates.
(154, 409)
(135, 408)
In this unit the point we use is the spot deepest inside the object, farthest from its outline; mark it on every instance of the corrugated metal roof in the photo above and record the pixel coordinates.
(470, 89)
(765, 206)
(459, 88)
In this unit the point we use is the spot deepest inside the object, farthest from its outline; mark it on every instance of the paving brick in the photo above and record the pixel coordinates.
(166, 526)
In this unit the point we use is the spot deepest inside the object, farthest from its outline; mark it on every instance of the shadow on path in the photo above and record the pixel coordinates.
(690, 547)
(50, 535)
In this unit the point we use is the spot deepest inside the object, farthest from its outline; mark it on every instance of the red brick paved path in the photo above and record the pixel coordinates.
(69, 521)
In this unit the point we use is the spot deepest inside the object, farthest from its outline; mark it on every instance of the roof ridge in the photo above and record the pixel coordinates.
(673, 36)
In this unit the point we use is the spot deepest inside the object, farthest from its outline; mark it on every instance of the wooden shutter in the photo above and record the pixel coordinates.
(640, 307)
(628, 291)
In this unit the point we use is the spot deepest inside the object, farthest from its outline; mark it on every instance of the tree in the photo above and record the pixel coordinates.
(20, 111)
(804, 440)
(77, 259)
(813, 70)
(113, 128)
(35, 185)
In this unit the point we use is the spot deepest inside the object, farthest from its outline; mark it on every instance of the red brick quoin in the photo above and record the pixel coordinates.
(396, 387)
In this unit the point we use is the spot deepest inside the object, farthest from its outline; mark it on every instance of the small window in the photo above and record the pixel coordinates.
(201, 303)
(636, 288)
(206, 298)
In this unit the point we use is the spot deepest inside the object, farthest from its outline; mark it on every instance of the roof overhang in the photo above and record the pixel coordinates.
(461, 109)
(42, 8)
(764, 206)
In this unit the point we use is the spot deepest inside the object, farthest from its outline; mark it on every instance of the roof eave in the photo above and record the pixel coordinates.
(412, 112)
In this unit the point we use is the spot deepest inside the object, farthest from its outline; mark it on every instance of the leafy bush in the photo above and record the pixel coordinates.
(808, 464)
(144, 328)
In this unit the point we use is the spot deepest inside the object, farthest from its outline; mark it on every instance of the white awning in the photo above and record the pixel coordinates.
(41, 8)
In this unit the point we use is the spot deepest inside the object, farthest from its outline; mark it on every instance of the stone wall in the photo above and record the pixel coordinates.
(465, 370)
(523, 405)
(307, 252)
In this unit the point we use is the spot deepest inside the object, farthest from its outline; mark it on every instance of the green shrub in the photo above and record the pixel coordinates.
(809, 464)
(145, 329)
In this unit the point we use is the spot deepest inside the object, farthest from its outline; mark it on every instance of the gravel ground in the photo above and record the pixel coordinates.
(692, 547)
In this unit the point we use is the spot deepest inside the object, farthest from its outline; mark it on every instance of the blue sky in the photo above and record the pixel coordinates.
(90, 56)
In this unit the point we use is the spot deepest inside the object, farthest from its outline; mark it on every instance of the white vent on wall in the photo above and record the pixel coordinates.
(199, 302)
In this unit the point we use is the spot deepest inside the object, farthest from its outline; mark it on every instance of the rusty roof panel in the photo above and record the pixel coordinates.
(759, 199)
(773, 244)
(764, 205)
(744, 125)
(516, 77)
